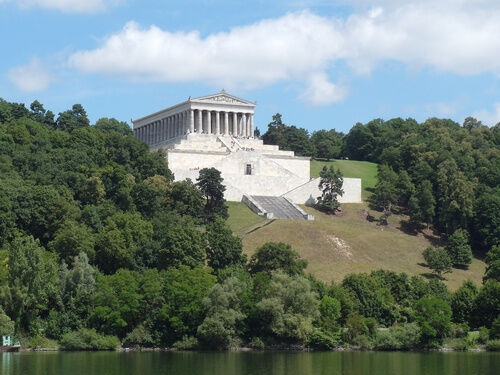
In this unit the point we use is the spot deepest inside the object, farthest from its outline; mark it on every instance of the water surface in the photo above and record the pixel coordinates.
(249, 363)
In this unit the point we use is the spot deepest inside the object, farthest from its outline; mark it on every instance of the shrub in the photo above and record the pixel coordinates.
(402, 337)
(187, 343)
(257, 343)
(140, 337)
(363, 342)
(493, 345)
(459, 330)
(484, 335)
(322, 340)
(88, 339)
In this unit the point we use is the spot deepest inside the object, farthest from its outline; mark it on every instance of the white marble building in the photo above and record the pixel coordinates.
(217, 131)
(220, 114)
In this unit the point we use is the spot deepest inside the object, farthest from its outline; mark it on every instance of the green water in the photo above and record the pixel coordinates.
(246, 363)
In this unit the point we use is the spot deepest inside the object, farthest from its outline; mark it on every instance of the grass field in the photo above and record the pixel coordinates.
(335, 246)
(350, 168)
(242, 219)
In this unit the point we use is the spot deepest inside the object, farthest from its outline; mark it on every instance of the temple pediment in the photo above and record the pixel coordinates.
(224, 98)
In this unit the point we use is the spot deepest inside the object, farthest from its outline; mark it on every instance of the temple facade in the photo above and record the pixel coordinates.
(219, 114)
(218, 131)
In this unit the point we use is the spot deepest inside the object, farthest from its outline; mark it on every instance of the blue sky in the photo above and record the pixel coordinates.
(321, 64)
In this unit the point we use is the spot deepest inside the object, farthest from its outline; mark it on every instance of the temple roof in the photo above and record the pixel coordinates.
(223, 97)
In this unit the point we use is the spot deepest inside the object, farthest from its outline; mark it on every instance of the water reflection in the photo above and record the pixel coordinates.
(249, 363)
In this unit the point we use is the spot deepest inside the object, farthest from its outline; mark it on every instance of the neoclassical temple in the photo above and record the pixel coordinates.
(218, 131)
(219, 114)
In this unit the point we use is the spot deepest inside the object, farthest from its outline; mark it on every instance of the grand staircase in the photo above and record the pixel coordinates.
(276, 208)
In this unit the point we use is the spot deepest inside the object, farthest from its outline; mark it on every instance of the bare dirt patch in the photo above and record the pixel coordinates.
(340, 246)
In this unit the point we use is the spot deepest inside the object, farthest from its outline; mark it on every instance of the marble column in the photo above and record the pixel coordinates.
(226, 123)
(200, 121)
(251, 126)
(191, 121)
(235, 124)
(209, 122)
(244, 124)
(217, 122)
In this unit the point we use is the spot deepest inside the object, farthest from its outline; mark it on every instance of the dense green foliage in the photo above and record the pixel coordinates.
(437, 172)
(99, 246)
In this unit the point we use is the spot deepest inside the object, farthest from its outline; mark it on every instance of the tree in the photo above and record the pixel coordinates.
(72, 239)
(117, 303)
(182, 310)
(462, 302)
(224, 249)
(112, 124)
(6, 325)
(426, 201)
(486, 222)
(385, 195)
(73, 119)
(433, 316)
(487, 304)
(458, 249)
(492, 261)
(289, 308)
(329, 309)
(223, 315)
(210, 184)
(438, 260)
(331, 187)
(182, 244)
(33, 280)
(274, 256)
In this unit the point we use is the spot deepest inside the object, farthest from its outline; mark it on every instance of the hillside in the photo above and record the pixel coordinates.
(338, 245)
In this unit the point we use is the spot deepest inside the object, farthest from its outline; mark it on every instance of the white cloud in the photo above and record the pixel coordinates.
(448, 36)
(67, 6)
(31, 77)
(320, 91)
(489, 118)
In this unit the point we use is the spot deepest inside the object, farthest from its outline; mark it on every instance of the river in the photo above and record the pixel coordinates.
(249, 363)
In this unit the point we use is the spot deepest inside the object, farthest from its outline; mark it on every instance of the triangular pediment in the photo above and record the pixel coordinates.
(223, 97)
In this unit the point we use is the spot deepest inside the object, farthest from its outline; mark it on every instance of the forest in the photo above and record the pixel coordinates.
(99, 247)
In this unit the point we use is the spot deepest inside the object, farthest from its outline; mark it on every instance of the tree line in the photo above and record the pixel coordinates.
(100, 247)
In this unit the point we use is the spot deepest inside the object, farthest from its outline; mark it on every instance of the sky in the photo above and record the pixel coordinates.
(321, 64)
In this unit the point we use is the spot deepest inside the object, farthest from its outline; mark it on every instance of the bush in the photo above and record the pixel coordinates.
(88, 339)
(40, 342)
(257, 343)
(363, 342)
(459, 330)
(187, 343)
(402, 337)
(140, 337)
(322, 340)
(484, 335)
(493, 345)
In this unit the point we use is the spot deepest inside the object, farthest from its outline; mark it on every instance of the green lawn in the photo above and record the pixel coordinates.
(242, 219)
(350, 168)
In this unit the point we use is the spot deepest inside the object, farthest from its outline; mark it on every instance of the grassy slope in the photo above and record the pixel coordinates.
(358, 169)
(339, 245)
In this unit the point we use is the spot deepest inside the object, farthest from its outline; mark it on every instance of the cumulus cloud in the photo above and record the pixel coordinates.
(320, 91)
(449, 36)
(489, 118)
(31, 77)
(68, 6)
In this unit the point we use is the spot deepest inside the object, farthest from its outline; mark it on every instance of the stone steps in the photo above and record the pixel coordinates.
(278, 208)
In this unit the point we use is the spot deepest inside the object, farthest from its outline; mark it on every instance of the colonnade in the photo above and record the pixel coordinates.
(201, 121)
